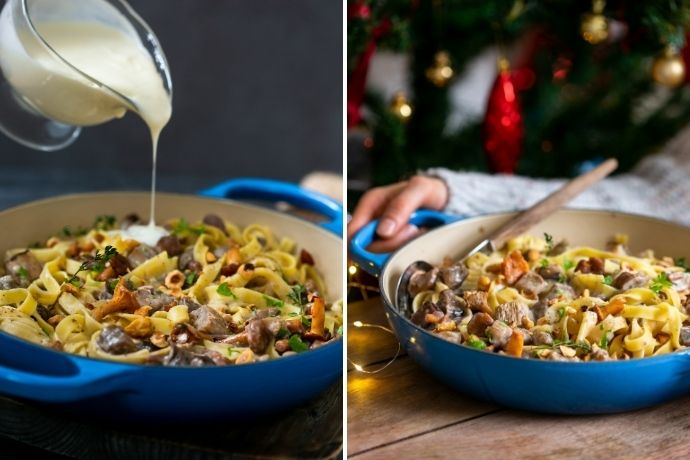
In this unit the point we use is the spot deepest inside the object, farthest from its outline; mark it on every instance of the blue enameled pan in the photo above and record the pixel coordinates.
(169, 394)
(542, 386)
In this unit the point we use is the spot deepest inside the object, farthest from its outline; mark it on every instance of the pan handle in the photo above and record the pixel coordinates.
(373, 262)
(273, 190)
(32, 372)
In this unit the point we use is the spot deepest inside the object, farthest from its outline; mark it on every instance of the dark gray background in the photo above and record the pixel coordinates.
(257, 92)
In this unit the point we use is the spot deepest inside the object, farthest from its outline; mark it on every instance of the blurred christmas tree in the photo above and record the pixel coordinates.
(578, 81)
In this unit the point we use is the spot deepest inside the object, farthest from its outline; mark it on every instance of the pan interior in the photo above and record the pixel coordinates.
(579, 227)
(38, 220)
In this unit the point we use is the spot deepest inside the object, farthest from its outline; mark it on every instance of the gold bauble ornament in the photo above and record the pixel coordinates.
(401, 107)
(669, 69)
(440, 72)
(594, 26)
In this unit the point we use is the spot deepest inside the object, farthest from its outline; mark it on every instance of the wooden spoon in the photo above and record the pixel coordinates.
(516, 226)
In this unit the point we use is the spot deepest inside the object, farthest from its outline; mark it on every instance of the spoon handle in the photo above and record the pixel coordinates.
(540, 211)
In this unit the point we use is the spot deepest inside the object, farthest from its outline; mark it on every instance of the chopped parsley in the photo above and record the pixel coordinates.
(306, 321)
(282, 333)
(273, 302)
(608, 280)
(298, 295)
(682, 263)
(297, 344)
(476, 343)
(549, 242)
(232, 350)
(68, 231)
(568, 264)
(23, 273)
(660, 282)
(340, 330)
(182, 226)
(562, 278)
(604, 341)
(97, 264)
(190, 279)
(112, 283)
(561, 312)
(543, 263)
(224, 289)
(104, 222)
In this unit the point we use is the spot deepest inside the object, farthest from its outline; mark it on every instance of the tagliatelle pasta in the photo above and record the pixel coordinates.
(534, 299)
(208, 293)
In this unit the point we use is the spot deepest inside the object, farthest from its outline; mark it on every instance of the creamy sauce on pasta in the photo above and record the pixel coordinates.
(535, 300)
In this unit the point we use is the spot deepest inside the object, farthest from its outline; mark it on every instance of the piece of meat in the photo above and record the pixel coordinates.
(420, 316)
(559, 248)
(214, 220)
(183, 333)
(140, 254)
(282, 346)
(514, 266)
(24, 268)
(454, 275)
(556, 356)
(592, 265)
(261, 313)
(193, 357)
(119, 264)
(531, 284)
(541, 338)
(685, 336)
(453, 306)
(512, 313)
(208, 321)
(170, 244)
(191, 304)
(274, 325)
(680, 281)
(539, 309)
(558, 290)
(550, 272)
(229, 270)
(157, 300)
(499, 333)
(113, 339)
(478, 324)
(628, 280)
(422, 281)
(306, 258)
(600, 355)
(241, 339)
(258, 335)
(7, 282)
(477, 301)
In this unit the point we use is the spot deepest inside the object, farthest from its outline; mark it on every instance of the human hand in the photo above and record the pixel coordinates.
(394, 204)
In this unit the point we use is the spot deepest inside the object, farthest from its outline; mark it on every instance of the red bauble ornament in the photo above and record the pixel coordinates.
(503, 129)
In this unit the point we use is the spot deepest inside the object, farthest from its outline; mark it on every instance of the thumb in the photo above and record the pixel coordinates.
(397, 213)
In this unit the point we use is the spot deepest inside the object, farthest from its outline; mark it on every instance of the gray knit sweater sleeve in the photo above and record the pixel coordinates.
(658, 186)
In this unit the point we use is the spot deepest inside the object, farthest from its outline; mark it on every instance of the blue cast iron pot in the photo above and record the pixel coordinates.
(541, 386)
(167, 394)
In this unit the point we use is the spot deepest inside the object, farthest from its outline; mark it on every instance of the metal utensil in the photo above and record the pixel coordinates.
(514, 227)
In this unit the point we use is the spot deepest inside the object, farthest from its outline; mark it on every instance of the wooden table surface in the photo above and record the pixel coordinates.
(403, 412)
(312, 431)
